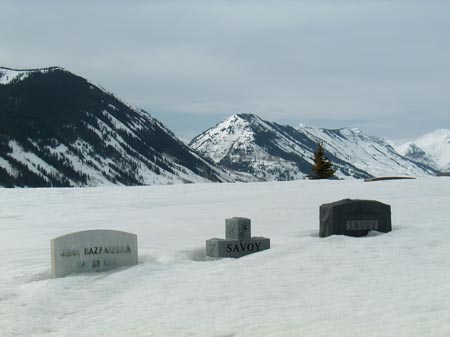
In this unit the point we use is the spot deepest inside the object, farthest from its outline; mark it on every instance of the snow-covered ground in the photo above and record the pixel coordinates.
(393, 285)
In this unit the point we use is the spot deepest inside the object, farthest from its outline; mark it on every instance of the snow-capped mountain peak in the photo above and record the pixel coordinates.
(432, 148)
(356, 130)
(233, 132)
(8, 75)
(245, 142)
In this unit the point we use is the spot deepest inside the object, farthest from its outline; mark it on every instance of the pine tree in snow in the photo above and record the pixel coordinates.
(322, 168)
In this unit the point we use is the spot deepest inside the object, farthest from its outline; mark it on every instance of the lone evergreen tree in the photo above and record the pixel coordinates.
(322, 168)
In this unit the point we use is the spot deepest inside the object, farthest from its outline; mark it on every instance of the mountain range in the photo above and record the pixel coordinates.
(271, 151)
(59, 129)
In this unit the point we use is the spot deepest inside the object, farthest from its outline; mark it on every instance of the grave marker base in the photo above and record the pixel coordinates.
(235, 248)
(238, 241)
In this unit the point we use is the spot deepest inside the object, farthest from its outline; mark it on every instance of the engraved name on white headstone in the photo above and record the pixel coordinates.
(92, 250)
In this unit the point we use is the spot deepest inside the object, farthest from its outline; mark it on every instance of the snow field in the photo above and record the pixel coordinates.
(394, 284)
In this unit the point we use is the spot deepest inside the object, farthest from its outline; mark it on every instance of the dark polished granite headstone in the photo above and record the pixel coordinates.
(354, 217)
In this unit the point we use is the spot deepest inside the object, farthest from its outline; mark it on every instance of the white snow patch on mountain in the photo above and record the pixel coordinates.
(29, 159)
(7, 166)
(8, 75)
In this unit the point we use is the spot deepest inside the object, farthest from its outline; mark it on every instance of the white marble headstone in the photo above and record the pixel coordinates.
(92, 250)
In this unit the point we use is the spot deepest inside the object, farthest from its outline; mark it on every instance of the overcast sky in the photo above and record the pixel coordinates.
(382, 66)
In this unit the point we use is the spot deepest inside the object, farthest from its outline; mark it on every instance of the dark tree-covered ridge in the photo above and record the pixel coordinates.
(83, 135)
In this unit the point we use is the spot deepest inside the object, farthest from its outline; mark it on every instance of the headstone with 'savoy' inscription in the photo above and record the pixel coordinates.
(92, 250)
(354, 217)
(238, 241)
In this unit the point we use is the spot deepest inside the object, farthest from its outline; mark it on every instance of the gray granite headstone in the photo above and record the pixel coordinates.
(92, 250)
(354, 217)
(238, 241)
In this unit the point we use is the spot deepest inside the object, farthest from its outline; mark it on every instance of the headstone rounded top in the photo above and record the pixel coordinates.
(89, 231)
(348, 201)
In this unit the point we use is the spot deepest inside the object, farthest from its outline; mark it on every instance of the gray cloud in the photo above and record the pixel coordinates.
(367, 64)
